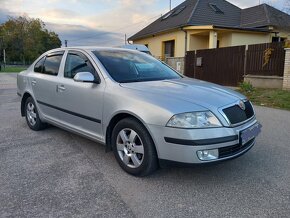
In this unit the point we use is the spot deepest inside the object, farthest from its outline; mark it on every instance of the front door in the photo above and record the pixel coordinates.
(80, 103)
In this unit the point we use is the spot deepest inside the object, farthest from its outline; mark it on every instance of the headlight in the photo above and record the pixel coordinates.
(191, 120)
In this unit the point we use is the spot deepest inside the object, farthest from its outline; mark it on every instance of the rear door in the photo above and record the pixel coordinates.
(80, 103)
(44, 81)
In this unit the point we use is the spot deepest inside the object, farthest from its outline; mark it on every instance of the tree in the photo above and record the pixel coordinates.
(26, 38)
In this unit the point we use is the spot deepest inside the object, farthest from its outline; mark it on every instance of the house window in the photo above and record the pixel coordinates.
(167, 15)
(169, 48)
(216, 8)
(179, 10)
(275, 39)
(278, 39)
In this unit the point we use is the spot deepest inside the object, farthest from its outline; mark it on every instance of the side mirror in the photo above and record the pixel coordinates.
(85, 77)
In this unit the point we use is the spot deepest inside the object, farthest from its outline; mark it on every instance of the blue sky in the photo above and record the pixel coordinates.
(99, 22)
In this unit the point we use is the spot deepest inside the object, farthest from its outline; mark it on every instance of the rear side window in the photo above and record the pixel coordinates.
(52, 63)
(75, 63)
(38, 67)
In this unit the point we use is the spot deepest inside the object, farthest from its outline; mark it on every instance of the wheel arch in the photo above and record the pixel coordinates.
(118, 117)
(23, 100)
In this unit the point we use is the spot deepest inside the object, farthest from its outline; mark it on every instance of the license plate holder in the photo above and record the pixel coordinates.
(250, 133)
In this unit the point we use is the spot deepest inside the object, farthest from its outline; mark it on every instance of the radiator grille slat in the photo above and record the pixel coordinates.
(237, 115)
(234, 149)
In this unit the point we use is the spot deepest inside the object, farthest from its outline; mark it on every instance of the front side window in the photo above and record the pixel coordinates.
(126, 66)
(75, 63)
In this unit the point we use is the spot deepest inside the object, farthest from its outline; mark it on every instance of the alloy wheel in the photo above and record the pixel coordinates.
(31, 113)
(130, 148)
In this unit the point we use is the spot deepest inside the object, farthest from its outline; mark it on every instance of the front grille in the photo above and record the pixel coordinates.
(234, 149)
(237, 115)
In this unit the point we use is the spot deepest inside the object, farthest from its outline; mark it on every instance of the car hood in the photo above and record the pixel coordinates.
(205, 94)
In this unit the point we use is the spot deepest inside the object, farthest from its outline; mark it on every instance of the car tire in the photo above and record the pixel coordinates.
(32, 115)
(134, 148)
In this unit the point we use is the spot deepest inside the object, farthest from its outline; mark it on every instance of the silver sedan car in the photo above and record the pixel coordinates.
(137, 106)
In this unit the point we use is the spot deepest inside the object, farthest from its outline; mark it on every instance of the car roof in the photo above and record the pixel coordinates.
(138, 47)
(92, 48)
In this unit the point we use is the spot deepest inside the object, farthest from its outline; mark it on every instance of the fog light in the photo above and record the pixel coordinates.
(206, 155)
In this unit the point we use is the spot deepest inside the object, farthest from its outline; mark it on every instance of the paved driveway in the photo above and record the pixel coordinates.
(58, 174)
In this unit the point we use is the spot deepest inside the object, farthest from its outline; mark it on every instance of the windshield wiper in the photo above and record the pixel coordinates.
(146, 80)
(130, 80)
(141, 80)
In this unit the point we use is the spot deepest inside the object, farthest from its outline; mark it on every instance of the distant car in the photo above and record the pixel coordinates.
(137, 106)
(137, 47)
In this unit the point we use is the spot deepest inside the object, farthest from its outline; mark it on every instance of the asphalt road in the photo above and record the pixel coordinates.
(54, 173)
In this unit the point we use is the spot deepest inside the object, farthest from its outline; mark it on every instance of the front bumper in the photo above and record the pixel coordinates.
(182, 145)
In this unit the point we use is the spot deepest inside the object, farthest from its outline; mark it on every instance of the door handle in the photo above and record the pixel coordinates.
(33, 82)
(60, 88)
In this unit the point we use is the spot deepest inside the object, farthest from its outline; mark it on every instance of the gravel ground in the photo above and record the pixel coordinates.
(54, 173)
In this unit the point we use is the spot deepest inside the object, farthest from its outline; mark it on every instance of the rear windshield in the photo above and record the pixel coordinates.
(126, 66)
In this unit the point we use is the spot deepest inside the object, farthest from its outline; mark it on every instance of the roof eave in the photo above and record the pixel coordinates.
(132, 38)
(193, 27)
(242, 28)
(205, 27)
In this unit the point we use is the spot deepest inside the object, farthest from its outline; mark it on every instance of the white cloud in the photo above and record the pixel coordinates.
(115, 16)
(78, 35)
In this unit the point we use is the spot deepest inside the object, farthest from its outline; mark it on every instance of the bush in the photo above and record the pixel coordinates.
(246, 87)
(287, 44)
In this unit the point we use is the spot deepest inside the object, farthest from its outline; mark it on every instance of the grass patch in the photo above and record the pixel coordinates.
(12, 69)
(275, 98)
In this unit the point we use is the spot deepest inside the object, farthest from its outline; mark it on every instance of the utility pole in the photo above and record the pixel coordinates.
(1, 44)
(4, 52)
(3, 48)
(169, 5)
(4, 58)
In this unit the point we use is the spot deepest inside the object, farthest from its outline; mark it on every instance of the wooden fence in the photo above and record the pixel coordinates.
(265, 59)
(227, 66)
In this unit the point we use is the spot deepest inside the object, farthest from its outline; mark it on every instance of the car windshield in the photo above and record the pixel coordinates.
(126, 66)
(147, 52)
